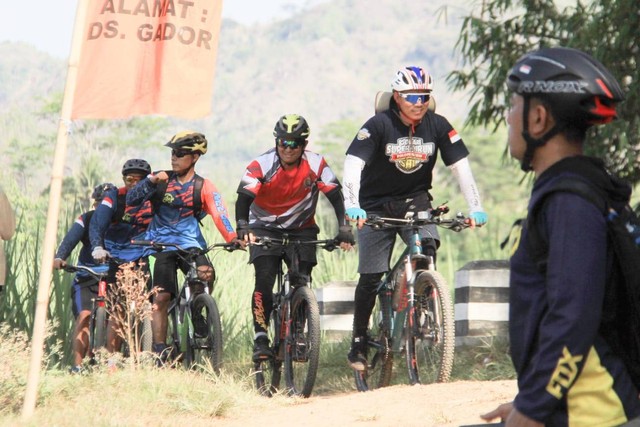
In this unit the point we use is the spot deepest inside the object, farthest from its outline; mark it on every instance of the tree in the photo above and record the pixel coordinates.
(492, 42)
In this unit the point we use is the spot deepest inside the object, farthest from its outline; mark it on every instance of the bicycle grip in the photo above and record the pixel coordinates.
(142, 242)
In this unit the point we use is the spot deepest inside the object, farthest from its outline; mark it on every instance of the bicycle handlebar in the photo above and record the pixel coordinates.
(418, 219)
(75, 268)
(327, 244)
(159, 247)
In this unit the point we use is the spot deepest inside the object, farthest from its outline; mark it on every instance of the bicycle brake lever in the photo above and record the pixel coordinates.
(331, 246)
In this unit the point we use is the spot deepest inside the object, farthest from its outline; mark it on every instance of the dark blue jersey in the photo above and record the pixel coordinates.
(565, 368)
(113, 226)
(399, 159)
(79, 233)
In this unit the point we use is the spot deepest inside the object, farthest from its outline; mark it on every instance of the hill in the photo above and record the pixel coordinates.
(326, 62)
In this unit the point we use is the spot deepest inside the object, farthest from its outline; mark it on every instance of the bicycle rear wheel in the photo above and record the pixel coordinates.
(430, 330)
(268, 373)
(302, 344)
(206, 342)
(380, 365)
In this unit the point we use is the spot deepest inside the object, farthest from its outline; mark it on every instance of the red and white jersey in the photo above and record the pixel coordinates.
(286, 199)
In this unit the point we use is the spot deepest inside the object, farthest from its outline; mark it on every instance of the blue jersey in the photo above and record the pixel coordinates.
(115, 224)
(173, 219)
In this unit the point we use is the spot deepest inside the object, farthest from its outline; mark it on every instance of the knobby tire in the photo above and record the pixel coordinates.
(99, 329)
(430, 330)
(302, 344)
(206, 348)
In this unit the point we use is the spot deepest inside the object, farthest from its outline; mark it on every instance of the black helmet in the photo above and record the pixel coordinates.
(136, 166)
(291, 126)
(99, 190)
(188, 141)
(578, 88)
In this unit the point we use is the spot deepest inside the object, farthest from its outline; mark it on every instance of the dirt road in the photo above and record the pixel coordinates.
(441, 405)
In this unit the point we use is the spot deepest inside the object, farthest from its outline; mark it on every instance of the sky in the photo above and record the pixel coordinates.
(48, 24)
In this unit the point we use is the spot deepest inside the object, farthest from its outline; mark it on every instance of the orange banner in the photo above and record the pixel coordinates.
(147, 57)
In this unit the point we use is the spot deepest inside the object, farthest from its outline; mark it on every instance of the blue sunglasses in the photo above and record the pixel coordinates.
(413, 98)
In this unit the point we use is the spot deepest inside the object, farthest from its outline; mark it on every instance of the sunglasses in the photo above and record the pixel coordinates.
(179, 153)
(293, 143)
(130, 179)
(413, 98)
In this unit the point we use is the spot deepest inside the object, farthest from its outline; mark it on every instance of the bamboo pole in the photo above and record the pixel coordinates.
(57, 172)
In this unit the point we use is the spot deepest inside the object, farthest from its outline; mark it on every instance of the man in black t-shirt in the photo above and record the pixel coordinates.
(388, 171)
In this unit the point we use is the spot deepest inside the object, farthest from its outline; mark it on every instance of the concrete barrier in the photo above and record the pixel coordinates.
(335, 300)
(481, 301)
(481, 304)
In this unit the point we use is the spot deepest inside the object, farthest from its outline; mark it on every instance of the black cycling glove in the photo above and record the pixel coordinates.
(243, 230)
(345, 235)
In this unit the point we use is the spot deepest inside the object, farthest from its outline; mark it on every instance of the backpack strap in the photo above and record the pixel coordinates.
(197, 196)
(537, 242)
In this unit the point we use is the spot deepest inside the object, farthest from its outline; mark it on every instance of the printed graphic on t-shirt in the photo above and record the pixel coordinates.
(409, 154)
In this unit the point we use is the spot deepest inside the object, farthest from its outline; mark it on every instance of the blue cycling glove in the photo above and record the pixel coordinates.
(479, 218)
(354, 214)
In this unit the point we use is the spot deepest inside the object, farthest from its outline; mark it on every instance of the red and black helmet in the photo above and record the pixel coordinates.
(578, 88)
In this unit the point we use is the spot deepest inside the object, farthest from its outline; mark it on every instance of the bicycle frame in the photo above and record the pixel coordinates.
(295, 319)
(188, 342)
(421, 330)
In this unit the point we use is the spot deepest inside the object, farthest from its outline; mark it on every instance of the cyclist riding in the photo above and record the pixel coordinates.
(115, 223)
(84, 287)
(277, 195)
(388, 171)
(181, 199)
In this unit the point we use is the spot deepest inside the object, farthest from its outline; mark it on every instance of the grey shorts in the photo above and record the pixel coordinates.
(375, 246)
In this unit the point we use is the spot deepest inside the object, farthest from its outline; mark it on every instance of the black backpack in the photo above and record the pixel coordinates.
(158, 198)
(620, 324)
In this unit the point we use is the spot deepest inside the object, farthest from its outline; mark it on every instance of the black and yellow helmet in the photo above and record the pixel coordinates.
(188, 140)
(291, 126)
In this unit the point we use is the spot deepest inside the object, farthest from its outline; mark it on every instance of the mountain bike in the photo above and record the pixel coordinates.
(194, 319)
(415, 311)
(98, 319)
(294, 326)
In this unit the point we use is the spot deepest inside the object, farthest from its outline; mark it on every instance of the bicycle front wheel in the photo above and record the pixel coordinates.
(98, 329)
(302, 344)
(430, 330)
(206, 343)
